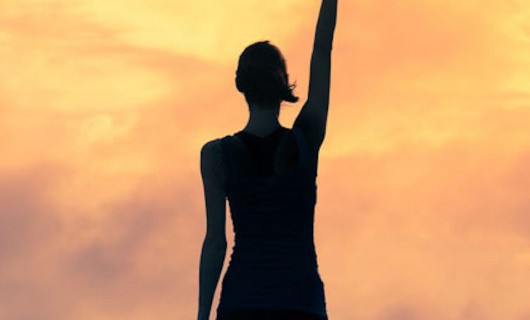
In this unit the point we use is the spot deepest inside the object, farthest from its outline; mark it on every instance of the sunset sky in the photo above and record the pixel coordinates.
(423, 185)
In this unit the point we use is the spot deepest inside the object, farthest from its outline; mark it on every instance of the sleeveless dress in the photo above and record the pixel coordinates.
(273, 269)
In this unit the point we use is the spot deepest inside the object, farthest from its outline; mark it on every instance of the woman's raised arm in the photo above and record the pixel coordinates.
(313, 116)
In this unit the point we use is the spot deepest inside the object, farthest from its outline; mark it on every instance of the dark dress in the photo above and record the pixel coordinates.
(271, 190)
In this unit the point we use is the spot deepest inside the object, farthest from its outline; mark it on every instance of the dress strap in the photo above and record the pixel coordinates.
(303, 147)
(226, 147)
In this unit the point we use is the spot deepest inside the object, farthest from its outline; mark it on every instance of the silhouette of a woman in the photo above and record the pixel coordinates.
(267, 173)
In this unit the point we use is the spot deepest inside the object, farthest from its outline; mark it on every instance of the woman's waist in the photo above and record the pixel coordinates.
(274, 259)
(273, 273)
(272, 247)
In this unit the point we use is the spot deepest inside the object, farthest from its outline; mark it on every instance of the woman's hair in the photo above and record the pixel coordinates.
(262, 74)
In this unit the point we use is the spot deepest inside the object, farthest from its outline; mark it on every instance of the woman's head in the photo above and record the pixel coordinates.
(262, 75)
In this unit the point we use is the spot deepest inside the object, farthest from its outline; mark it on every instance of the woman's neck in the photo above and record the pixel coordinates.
(262, 121)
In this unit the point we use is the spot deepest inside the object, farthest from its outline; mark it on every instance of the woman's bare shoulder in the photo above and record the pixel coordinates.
(212, 149)
(212, 153)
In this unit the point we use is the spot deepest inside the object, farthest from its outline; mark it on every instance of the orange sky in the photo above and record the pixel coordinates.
(423, 208)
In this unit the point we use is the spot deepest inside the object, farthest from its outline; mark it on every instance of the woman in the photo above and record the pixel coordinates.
(268, 174)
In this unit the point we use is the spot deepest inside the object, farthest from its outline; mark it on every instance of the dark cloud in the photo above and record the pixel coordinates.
(138, 256)
(28, 219)
(400, 312)
(31, 229)
(141, 252)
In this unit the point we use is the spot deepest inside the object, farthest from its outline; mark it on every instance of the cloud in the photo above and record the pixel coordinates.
(401, 312)
(30, 233)
(132, 252)
(27, 220)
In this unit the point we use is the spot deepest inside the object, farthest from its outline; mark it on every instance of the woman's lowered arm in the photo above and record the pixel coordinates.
(214, 245)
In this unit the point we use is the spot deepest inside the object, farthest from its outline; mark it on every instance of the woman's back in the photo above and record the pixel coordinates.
(273, 264)
(263, 149)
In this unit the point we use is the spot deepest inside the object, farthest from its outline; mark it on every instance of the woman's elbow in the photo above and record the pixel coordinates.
(215, 243)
